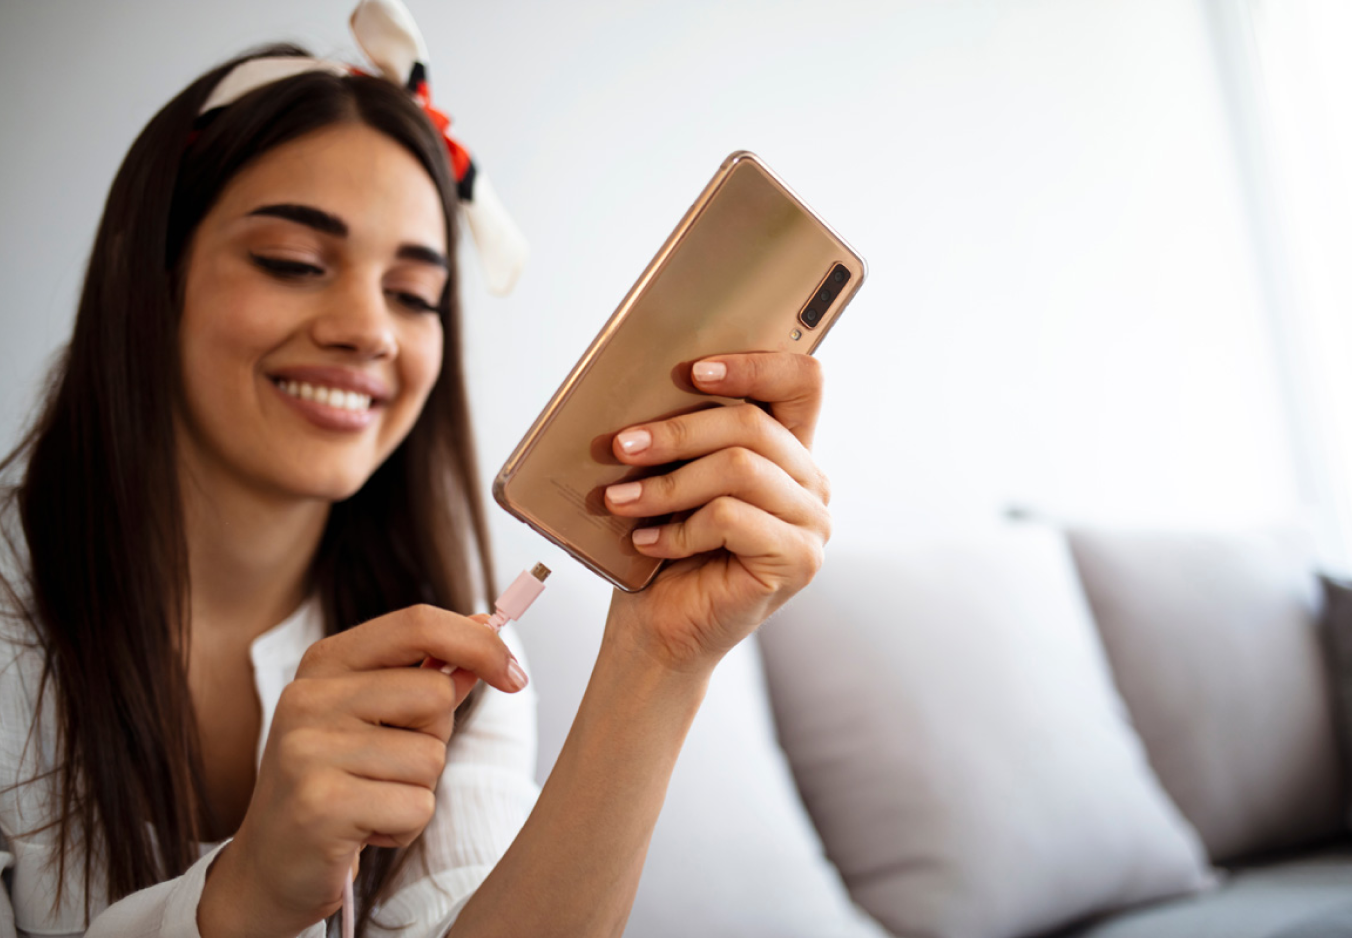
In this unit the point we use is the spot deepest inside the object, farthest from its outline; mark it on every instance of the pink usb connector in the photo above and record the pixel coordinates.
(514, 601)
(510, 606)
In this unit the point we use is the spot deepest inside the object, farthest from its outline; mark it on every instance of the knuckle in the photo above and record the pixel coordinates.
(816, 557)
(299, 697)
(723, 511)
(753, 367)
(824, 488)
(674, 536)
(424, 806)
(676, 433)
(422, 616)
(314, 799)
(296, 748)
(431, 759)
(663, 486)
(428, 623)
(313, 656)
(751, 419)
(743, 463)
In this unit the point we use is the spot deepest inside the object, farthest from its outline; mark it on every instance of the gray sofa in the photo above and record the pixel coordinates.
(1011, 733)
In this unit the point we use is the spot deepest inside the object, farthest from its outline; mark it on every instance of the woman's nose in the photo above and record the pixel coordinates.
(357, 318)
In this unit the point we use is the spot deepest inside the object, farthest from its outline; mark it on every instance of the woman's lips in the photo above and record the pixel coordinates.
(342, 417)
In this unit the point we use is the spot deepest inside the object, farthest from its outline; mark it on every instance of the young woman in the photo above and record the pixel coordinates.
(219, 579)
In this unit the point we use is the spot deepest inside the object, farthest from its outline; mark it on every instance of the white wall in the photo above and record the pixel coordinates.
(1061, 311)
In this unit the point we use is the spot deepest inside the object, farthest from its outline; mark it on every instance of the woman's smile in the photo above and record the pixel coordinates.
(332, 398)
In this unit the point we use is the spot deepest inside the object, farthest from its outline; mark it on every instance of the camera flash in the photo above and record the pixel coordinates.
(796, 334)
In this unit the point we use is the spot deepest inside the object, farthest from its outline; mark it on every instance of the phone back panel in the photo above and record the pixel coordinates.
(734, 276)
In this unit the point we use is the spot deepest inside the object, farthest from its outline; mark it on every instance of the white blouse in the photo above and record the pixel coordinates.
(485, 793)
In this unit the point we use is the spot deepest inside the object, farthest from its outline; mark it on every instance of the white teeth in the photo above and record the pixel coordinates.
(333, 397)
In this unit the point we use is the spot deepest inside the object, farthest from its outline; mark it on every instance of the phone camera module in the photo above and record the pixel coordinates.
(828, 290)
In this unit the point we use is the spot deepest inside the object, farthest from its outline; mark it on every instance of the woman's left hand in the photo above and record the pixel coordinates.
(756, 522)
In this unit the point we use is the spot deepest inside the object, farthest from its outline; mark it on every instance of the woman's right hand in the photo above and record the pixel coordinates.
(357, 744)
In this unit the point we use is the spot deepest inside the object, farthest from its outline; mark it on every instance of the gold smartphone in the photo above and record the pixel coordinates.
(749, 268)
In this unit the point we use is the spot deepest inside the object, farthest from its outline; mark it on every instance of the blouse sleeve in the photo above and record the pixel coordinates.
(485, 794)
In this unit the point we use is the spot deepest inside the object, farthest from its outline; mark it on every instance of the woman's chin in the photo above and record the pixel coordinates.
(333, 485)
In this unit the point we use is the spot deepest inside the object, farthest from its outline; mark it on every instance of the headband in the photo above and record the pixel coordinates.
(387, 34)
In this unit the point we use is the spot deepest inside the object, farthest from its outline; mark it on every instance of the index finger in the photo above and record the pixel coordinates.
(791, 384)
(405, 638)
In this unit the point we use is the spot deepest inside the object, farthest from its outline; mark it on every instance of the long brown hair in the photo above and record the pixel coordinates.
(107, 588)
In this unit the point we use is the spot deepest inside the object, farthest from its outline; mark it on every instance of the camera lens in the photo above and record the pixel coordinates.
(811, 317)
(838, 275)
(826, 296)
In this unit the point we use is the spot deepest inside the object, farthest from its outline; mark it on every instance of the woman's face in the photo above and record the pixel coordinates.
(310, 338)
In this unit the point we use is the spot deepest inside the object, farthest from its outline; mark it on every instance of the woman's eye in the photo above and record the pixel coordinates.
(281, 267)
(414, 302)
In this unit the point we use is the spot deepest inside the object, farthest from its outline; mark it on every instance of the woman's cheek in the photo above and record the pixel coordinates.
(428, 352)
(421, 355)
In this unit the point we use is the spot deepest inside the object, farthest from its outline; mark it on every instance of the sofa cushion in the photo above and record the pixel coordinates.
(1338, 629)
(1299, 897)
(734, 853)
(1214, 642)
(954, 731)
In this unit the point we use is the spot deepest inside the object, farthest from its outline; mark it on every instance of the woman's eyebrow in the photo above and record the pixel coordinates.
(323, 222)
(418, 252)
(306, 215)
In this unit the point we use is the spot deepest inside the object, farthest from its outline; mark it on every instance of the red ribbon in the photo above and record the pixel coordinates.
(459, 155)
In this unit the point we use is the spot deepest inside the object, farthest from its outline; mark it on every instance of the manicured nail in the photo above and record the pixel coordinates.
(624, 492)
(709, 372)
(635, 441)
(645, 536)
(515, 676)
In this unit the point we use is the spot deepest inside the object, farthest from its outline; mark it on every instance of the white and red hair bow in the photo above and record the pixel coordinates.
(389, 37)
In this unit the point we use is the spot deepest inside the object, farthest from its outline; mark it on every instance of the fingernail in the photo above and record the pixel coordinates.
(624, 492)
(709, 372)
(515, 676)
(645, 536)
(635, 441)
